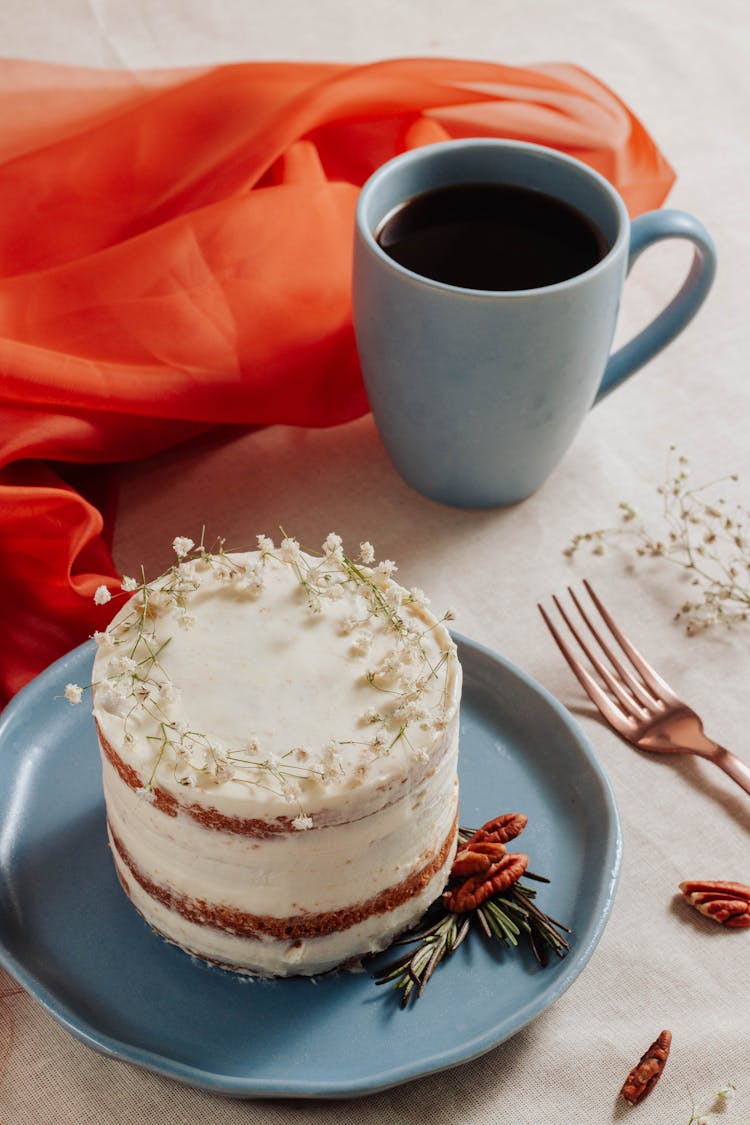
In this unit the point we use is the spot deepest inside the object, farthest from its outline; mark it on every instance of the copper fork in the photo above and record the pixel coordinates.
(631, 695)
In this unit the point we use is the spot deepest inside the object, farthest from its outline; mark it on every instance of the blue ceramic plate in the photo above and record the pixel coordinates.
(70, 936)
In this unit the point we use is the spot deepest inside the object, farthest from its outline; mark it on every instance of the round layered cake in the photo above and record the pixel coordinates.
(279, 738)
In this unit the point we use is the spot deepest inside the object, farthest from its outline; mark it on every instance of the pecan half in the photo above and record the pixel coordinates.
(500, 829)
(474, 890)
(727, 903)
(480, 857)
(648, 1070)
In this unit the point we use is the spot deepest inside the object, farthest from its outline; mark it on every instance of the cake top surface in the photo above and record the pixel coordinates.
(275, 680)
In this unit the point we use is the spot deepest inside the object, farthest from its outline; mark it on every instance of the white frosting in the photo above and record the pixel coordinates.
(285, 875)
(311, 692)
(284, 958)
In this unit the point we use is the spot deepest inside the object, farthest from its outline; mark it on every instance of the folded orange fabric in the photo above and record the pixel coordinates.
(175, 253)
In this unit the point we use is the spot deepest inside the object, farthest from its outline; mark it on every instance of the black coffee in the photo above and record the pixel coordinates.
(491, 236)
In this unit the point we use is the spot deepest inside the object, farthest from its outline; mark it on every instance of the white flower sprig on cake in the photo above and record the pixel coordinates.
(138, 688)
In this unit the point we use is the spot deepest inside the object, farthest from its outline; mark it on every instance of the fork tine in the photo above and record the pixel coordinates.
(616, 687)
(596, 694)
(658, 686)
(636, 686)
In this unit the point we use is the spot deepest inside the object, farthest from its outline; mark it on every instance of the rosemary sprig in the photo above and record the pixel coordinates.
(413, 969)
(507, 917)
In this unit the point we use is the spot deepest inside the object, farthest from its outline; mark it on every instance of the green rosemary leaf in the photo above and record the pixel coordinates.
(479, 914)
(461, 932)
(538, 948)
(502, 926)
(392, 971)
(432, 963)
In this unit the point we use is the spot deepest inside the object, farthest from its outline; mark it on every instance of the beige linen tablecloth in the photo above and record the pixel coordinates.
(682, 65)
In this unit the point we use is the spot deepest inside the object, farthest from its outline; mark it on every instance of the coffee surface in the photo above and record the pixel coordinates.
(491, 236)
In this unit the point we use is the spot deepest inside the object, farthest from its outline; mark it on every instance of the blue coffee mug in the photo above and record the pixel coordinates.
(477, 394)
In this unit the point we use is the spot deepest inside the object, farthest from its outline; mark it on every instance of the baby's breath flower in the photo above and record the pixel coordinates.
(358, 777)
(111, 695)
(182, 546)
(73, 693)
(290, 550)
(408, 711)
(361, 644)
(332, 547)
(384, 570)
(394, 596)
(129, 584)
(265, 544)
(170, 694)
(727, 1093)
(102, 637)
(333, 768)
(302, 822)
(291, 791)
(147, 691)
(358, 616)
(102, 595)
(418, 597)
(185, 580)
(249, 578)
(145, 793)
(389, 664)
(185, 620)
(367, 553)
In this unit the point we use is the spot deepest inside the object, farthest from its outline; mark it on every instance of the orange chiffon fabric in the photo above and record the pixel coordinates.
(175, 253)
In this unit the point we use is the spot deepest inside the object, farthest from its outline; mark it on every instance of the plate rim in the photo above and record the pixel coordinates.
(259, 1087)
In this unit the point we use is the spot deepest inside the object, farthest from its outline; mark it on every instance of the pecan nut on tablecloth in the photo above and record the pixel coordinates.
(648, 1070)
(725, 902)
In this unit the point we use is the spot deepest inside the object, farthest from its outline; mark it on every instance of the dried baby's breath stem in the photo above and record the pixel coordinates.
(703, 534)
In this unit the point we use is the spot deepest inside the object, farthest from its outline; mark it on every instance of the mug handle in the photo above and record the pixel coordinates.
(644, 231)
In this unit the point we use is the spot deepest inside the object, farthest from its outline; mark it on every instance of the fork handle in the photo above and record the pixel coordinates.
(732, 765)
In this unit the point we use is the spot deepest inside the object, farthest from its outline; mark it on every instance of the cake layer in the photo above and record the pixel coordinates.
(318, 870)
(271, 956)
(241, 923)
